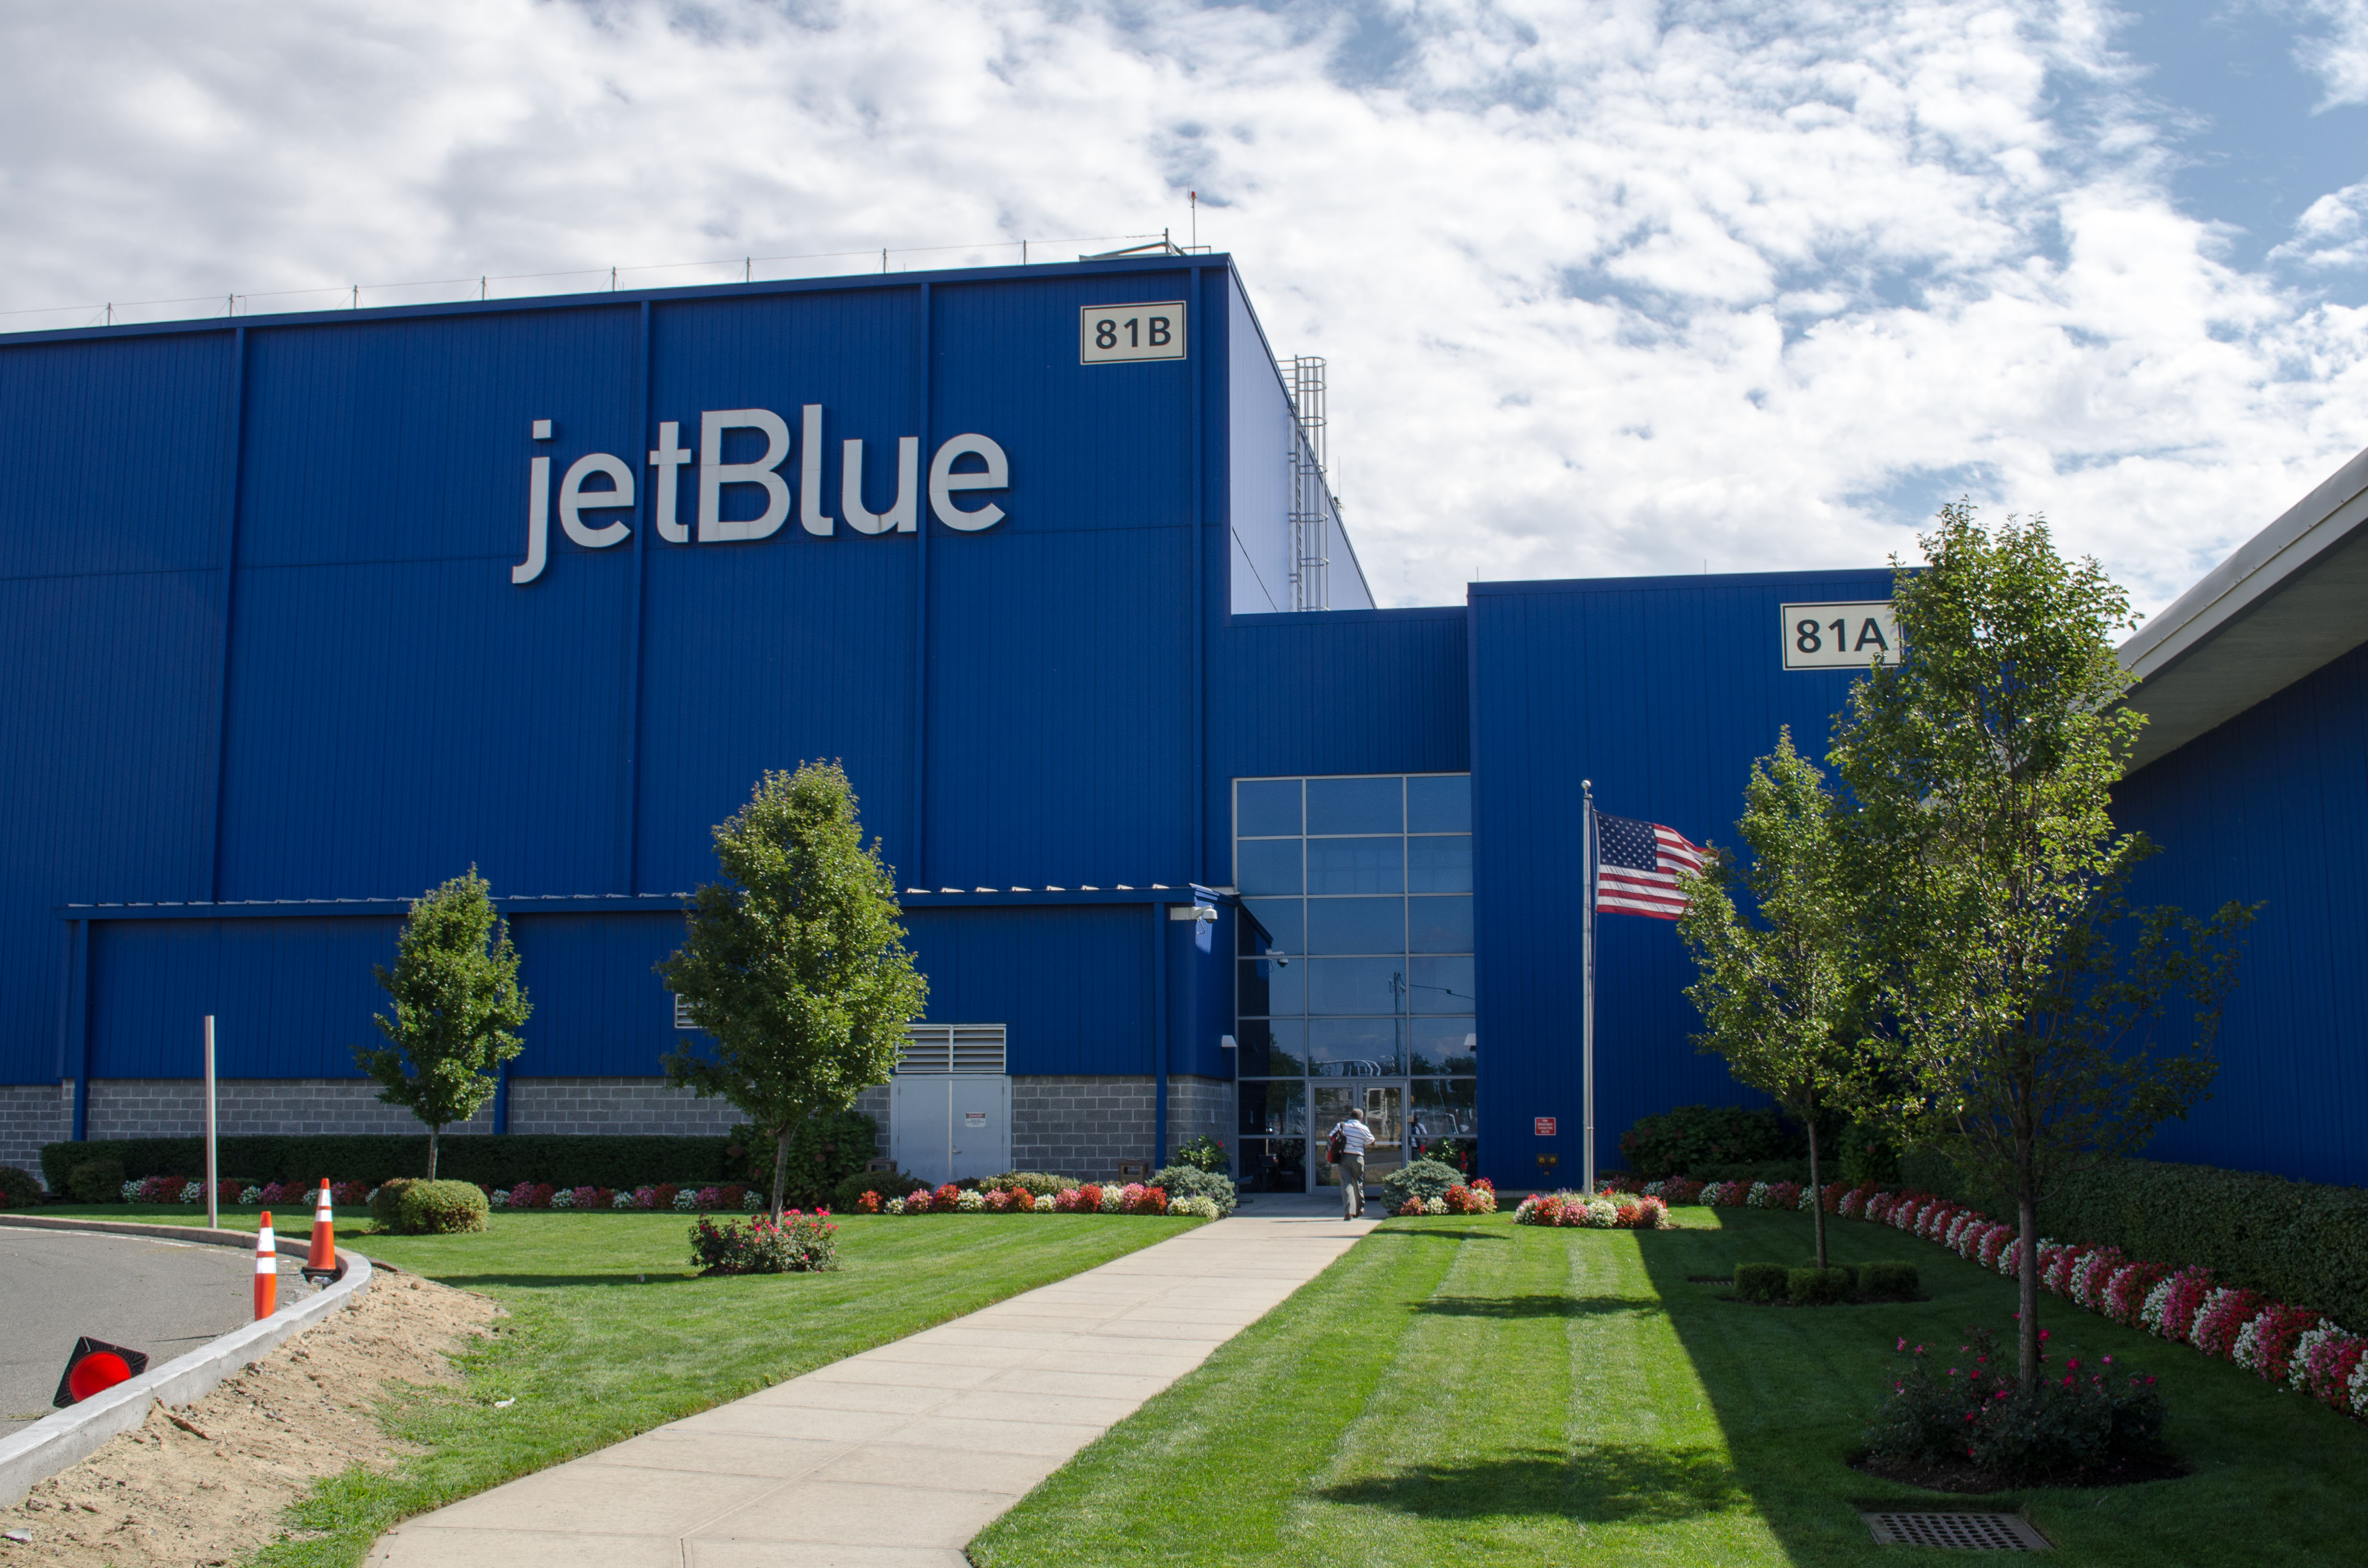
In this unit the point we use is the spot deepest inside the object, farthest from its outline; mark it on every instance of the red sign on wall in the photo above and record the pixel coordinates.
(1545, 1126)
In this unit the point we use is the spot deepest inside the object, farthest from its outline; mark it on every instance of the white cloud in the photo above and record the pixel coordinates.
(1606, 288)
(2339, 56)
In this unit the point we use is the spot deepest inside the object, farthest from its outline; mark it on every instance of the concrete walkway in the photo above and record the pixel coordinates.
(898, 1457)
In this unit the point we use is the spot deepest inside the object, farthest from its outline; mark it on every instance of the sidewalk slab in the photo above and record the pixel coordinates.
(898, 1457)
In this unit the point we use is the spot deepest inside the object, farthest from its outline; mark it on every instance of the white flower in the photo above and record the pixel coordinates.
(564, 1198)
(686, 1200)
(752, 1201)
(2360, 1388)
(501, 1198)
(622, 1200)
(894, 1205)
(970, 1201)
(255, 1195)
(1430, 1205)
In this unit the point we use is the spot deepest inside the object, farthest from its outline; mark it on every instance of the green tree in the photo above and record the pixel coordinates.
(2021, 1010)
(457, 1007)
(1781, 996)
(795, 962)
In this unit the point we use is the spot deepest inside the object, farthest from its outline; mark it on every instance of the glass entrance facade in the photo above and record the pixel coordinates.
(1363, 984)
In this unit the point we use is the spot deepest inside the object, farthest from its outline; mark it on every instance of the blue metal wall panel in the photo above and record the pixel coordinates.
(107, 726)
(115, 457)
(599, 1008)
(290, 998)
(2273, 807)
(1340, 691)
(1074, 983)
(1258, 437)
(1661, 690)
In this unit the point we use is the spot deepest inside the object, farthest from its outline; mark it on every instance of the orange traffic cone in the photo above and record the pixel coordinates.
(321, 1263)
(266, 1270)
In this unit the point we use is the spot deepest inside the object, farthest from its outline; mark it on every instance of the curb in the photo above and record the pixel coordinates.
(55, 1442)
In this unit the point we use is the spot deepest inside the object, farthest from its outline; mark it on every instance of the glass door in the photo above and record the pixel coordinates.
(1383, 1108)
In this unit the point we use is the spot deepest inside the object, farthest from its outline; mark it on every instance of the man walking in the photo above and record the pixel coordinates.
(1351, 1137)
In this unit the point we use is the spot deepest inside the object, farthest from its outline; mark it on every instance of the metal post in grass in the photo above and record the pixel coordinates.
(1587, 991)
(213, 1176)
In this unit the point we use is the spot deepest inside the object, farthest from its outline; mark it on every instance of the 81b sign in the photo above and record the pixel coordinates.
(1116, 335)
(1840, 636)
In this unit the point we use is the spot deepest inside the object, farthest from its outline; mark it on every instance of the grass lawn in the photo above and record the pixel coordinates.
(1461, 1391)
(612, 1333)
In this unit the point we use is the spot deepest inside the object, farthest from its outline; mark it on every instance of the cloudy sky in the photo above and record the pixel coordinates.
(1606, 288)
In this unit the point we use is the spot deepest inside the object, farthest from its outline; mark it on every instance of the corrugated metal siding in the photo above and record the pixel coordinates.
(1343, 691)
(292, 999)
(1074, 983)
(2273, 807)
(1258, 485)
(1661, 690)
(398, 710)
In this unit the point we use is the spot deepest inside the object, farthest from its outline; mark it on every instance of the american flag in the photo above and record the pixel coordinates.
(1636, 867)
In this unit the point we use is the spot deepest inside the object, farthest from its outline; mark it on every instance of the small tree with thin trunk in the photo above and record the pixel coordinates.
(457, 1008)
(2023, 1013)
(1781, 996)
(795, 964)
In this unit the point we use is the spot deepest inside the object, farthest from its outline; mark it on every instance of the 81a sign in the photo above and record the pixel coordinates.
(1840, 636)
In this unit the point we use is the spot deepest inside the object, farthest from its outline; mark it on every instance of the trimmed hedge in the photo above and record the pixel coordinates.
(1765, 1283)
(1689, 1135)
(429, 1208)
(1816, 1286)
(94, 1178)
(1896, 1281)
(502, 1160)
(2299, 1241)
(17, 1188)
(1192, 1181)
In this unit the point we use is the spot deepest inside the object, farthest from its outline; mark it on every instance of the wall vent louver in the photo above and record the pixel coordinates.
(953, 1048)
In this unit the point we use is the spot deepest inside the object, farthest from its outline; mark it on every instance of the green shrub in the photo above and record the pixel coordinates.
(825, 1150)
(2302, 1243)
(1691, 1138)
(1204, 1153)
(17, 1188)
(563, 1159)
(1888, 1281)
(1764, 1283)
(382, 1201)
(1769, 1171)
(1818, 1286)
(1191, 1181)
(1038, 1184)
(847, 1198)
(1863, 1155)
(1974, 1415)
(435, 1208)
(1423, 1178)
(97, 1180)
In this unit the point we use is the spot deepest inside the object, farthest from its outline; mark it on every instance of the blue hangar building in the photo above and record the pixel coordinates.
(306, 614)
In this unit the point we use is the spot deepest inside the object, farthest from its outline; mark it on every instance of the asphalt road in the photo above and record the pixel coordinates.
(167, 1298)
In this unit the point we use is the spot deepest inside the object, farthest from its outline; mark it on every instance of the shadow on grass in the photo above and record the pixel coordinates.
(1446, 1235)
(567, 1281)
(1601, 1485)
(1536, 1306)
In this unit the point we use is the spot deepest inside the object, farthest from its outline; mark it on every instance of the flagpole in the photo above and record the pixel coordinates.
(1586, 993)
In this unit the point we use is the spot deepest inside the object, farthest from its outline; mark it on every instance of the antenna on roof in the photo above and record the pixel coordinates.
(1196, 217)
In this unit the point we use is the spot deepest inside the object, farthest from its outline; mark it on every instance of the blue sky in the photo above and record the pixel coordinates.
(1606, 286)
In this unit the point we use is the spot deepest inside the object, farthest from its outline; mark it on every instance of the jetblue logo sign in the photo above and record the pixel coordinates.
(599, 487)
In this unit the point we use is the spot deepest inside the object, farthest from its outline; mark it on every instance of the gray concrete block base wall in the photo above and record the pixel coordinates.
(1080, 1126)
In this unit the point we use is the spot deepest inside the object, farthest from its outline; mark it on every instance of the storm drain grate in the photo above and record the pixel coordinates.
(1963, 1532)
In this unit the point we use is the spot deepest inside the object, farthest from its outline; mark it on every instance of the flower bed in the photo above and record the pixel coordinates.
(1599, 1211)
(2293, 1347)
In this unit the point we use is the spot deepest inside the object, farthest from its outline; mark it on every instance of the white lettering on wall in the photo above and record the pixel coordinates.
(667, 459)
(574, 500)
(670, 456)
(903, 515)
(944, 481)
(714, 473)
(811, 516)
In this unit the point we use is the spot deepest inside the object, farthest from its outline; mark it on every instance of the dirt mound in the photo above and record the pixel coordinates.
(206, 1484)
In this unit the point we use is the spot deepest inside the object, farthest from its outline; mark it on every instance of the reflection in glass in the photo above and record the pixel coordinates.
(1264, 807)
(1441, 985)
(1353, 1047)
(1443, 1123)
(1271, 1046)
(1441, 1045)
(1362, 865)
(1280, 917)
(1439, 924)
(1276, 1109)
(1355, 985)
(1439, 804)
(1269, 985)
(1274, 1164)
(1267, 865)
(1355, 805)
(1438, 865)
(1358, 926)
